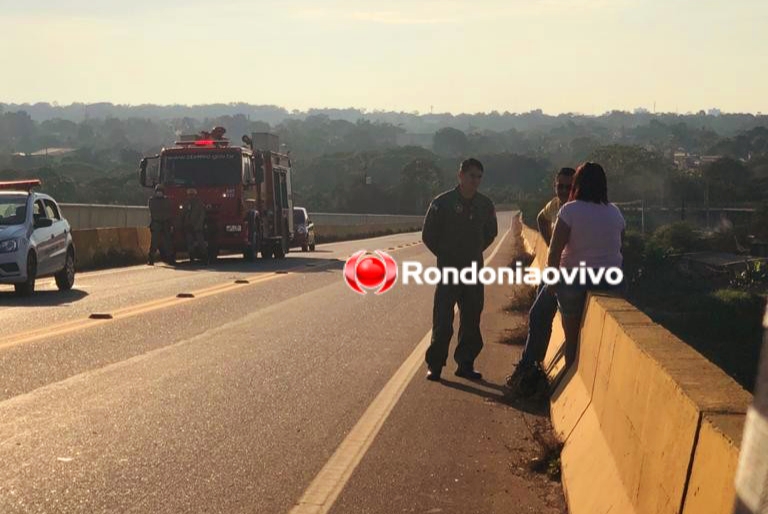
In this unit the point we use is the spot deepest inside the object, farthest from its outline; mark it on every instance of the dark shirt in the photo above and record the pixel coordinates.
(457, 230)
(193, 215)
(160, 209)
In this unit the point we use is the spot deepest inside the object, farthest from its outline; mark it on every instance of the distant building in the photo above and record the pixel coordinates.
(53, 152)
(707, 159)
(686, 161)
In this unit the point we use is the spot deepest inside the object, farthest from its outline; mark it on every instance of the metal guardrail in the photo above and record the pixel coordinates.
(85, 216)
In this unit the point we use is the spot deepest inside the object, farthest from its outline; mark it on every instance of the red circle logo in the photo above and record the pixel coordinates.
(370, 272)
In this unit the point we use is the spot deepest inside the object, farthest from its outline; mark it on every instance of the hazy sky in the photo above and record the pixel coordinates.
(585, 56)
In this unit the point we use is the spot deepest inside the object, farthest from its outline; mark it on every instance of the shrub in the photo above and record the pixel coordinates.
(679, 237)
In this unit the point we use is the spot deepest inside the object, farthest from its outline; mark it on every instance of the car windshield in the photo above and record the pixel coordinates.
(13, 210)
(202, 169)
(298, 216)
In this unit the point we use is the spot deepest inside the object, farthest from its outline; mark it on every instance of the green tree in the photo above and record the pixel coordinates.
(634, 173)
(450, 142)
(420, 181)
(727, 180)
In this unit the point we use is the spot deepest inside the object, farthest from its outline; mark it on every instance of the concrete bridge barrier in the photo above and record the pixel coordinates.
(115, 235)
(648, 424)
(111, 247)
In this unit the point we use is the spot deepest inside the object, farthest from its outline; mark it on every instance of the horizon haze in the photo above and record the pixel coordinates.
(575, 56)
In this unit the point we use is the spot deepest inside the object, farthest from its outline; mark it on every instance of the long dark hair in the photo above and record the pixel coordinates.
(589, 184)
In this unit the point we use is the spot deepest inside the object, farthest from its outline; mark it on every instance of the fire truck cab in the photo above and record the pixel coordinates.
(246, 191)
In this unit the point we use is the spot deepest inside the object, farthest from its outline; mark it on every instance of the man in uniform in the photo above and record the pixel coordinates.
(193, 221)
(160, 225)
(460, 224)
(528, 374)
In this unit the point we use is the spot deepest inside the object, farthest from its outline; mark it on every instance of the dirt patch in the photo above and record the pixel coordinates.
(515, 336)
(520, 298)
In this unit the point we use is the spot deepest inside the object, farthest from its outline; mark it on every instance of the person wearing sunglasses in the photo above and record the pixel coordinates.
(548, 215)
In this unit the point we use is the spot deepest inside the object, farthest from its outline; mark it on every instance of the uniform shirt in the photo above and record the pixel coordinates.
(193, 216)
(595, 234)
(458, 230)
(550, 211)
(160, 208)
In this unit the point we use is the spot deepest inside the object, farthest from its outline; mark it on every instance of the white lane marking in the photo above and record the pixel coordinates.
(325, 488)
(330, 481)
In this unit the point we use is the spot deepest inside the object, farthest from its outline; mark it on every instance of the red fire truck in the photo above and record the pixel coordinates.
(246, 191)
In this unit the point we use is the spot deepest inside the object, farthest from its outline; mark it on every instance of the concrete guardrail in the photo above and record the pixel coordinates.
(85, 216)
(648, 424)
(115, 235)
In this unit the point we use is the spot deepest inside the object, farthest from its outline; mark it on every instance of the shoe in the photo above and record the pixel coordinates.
(468, 372)
(526, 381)
(433, 374)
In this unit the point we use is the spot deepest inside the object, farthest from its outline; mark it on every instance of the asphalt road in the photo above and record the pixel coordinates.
(231, 401)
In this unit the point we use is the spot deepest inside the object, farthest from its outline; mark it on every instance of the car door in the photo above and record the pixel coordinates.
(42, 238)
(59, 233)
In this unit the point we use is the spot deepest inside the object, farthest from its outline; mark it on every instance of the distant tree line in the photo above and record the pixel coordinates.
(354, 161)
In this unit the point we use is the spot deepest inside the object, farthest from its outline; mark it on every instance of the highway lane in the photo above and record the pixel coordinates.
(229, 403)
(103, 291)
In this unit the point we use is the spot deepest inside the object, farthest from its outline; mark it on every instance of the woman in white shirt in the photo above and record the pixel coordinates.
(588, 233)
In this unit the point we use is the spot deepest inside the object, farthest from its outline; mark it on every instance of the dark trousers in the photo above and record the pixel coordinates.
(470, 300)
(540, 319)
(196, 245)
(161, 238)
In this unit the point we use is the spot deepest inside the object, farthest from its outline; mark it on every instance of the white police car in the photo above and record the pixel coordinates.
(35, 239)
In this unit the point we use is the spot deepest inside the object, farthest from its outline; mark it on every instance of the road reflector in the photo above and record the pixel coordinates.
(100, 315)
(241, 281)
(185, 295)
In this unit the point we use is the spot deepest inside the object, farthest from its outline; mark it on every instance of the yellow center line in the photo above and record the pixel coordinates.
(134, 310)
(143, 308)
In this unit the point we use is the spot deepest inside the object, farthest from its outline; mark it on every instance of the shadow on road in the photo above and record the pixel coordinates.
(535, 406)
(461, 386)
(227, 264)
(50, 298)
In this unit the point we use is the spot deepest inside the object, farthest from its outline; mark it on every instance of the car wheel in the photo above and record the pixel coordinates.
(65, 278)
(28, 287)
